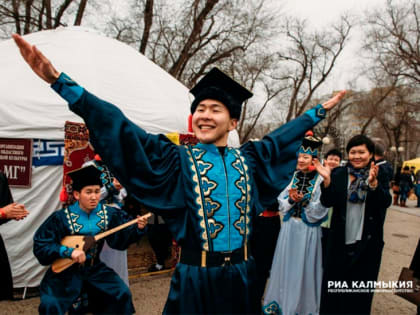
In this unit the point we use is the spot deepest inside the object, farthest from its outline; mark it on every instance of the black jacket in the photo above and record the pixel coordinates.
(377, 201)
(355, 262)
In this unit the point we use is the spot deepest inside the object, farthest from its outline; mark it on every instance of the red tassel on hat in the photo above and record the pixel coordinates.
(63, 195)
(190, 123)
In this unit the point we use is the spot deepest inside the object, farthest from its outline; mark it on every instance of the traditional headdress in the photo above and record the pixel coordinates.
(218, 86)
(85, 176)
(310, 144)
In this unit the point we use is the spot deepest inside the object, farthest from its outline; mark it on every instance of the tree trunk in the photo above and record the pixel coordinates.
(48, 22)
(16, 16)
(40, 16)
(27, 27)
(80, 12)
(148, 20)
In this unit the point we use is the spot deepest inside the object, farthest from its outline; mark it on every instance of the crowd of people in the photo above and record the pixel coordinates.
(222, 205)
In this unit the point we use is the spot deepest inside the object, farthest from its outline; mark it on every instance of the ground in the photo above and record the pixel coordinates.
(402, 232)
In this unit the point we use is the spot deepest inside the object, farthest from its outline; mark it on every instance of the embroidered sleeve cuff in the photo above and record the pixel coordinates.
(317, 113)
(67, 88)
(65, 252)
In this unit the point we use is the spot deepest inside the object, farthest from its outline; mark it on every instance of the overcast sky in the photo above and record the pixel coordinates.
(323, 12)
(320, 14)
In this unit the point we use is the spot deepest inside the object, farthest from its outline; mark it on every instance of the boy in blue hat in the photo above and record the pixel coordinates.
(87, 216)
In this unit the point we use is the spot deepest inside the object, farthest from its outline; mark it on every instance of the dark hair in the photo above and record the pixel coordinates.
(334, 152)
(379, 149)
(220, 95)
(360, 140)
(406, 168)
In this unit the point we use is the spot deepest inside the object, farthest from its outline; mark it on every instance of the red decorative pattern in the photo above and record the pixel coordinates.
(77, 150)
(188, 139)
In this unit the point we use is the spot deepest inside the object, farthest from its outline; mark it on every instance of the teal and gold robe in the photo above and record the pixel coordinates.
(60, 290)
(208, 200)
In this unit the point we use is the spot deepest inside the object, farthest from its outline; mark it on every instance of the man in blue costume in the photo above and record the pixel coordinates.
(85, 217)
(208, 193)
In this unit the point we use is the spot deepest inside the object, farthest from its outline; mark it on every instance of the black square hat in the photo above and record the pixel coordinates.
(219, 86)
(310, 144)
(85, 176)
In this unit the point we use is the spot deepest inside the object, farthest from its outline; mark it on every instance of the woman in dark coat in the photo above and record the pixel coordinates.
(354, 248)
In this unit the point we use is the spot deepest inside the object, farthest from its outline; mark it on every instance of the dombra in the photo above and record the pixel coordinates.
(85, 242)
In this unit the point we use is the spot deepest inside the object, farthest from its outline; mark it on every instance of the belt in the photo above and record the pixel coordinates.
(213, 259)
(296, 217)
(269, 213)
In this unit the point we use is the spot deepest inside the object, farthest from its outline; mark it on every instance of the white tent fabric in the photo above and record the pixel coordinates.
(29, 108)
(106, 67)
(41, 200)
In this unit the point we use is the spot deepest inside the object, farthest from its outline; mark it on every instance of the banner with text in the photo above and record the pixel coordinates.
(16, 161)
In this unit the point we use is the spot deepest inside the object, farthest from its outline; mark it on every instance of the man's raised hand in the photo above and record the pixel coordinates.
(334, 100)
(36, 60)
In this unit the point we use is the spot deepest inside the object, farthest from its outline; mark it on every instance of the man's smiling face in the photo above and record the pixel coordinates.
(211, 122)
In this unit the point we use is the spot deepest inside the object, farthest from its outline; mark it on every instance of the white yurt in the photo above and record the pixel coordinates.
(30, 109)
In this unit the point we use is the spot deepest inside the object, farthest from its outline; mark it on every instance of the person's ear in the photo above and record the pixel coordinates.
(233, 123)
(76, 194)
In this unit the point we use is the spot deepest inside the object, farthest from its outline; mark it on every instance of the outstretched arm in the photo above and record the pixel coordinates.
(36, 60)
(328, 105)
(147, 165)
(273, 159)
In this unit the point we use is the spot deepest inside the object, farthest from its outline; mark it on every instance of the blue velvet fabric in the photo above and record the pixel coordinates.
(59, 291)
(185, 185)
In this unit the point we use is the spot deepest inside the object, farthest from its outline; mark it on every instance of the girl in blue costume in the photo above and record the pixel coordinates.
(208, 194)
(296, 274)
